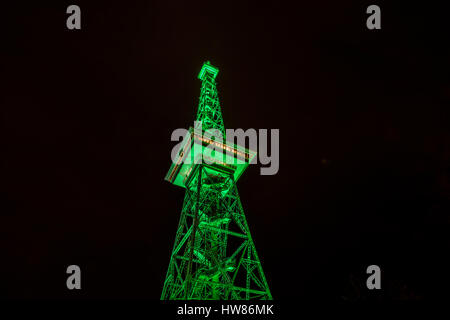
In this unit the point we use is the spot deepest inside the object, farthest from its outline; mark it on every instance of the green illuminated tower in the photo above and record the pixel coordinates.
(214, 256)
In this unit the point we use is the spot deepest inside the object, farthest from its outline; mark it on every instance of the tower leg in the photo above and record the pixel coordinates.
(214, 256)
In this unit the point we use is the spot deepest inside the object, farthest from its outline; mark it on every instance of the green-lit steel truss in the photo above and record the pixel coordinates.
(214, 257)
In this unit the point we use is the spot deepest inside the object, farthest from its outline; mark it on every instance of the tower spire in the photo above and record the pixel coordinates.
(209, 112)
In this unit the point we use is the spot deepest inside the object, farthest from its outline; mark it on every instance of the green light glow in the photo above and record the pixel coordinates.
(214, 257)
(231, 158)
(207, 67)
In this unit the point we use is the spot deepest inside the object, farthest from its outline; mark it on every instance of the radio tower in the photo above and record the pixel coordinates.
(214, 257)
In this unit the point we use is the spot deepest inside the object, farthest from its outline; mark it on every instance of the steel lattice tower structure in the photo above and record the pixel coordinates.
(214, 257)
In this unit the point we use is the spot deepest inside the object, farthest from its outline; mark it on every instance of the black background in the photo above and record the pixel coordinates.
(364, 142)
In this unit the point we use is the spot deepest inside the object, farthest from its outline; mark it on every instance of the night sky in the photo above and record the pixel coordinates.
(364, 124)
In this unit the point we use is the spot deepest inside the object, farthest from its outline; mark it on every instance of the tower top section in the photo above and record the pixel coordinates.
(208, 69)
(209, 112)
